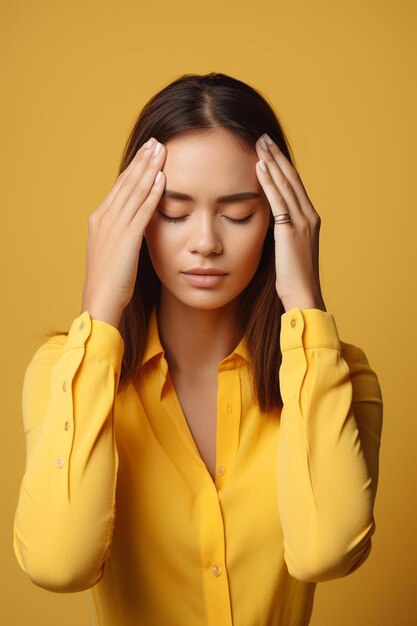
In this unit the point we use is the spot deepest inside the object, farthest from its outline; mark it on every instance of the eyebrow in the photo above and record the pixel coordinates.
(235, 197)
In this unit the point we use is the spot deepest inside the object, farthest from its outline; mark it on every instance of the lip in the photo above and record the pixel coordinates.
(205, 270)
(203, 280)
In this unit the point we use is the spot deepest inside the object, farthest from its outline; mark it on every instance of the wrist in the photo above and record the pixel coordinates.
(102, 314)
(303, 302)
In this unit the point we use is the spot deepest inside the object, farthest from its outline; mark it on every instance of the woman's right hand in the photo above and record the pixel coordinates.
(115, 233)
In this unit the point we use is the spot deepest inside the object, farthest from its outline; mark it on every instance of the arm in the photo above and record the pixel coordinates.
(328, 452)
(66, 507)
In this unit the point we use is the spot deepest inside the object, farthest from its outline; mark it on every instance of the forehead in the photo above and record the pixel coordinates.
(214, 163)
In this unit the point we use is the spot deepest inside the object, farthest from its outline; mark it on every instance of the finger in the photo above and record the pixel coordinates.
(145, 185)
(142, 217)
(145, 149)
(144, 161)
(283, 185)
(293, 176)
(277, 202)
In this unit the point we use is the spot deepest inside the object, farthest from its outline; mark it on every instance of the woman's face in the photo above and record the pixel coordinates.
(205, 167)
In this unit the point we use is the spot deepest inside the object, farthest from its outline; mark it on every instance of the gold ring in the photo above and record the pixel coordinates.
(282, 218)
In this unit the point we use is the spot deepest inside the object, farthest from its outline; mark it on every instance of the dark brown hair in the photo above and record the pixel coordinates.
(197, 103)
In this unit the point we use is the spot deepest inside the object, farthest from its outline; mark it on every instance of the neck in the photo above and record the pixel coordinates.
(196, 340)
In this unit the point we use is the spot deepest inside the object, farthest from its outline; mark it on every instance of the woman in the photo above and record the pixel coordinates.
(201, 449)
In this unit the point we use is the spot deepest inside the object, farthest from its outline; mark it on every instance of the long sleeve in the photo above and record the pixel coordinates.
(328, 451)
(65, 513)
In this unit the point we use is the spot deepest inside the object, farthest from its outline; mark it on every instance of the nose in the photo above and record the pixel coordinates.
(204, 237)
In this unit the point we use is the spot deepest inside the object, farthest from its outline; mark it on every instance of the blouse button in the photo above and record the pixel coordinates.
(215, 570)
(64, 385)
(59, 462)
(293, 322)
(81, 326)
(67, 425)
(221, 470)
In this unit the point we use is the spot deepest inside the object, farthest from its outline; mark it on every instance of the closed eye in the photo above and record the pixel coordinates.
(181, 219)
(242, 221)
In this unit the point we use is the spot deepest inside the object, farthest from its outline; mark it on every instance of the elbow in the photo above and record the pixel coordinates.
(326, 570)
(65, 581)
(328, 562)
(57, 573)
(52, 577)
(61, 582)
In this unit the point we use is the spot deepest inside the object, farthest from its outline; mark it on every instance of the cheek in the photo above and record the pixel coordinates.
(249, 251)
(162, 246)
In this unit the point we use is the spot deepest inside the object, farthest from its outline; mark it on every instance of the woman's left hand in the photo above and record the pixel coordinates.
(296, 242)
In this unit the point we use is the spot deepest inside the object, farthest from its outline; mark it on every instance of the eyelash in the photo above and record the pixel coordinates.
(181, 219)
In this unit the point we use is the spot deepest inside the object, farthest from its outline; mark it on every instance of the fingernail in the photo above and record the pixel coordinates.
(263, 143)
(268, 139)
(157, 148)
(149, 143)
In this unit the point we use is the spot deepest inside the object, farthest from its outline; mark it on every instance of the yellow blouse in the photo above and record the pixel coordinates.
(116, 498)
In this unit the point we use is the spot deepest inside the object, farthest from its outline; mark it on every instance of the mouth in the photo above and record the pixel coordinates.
(196, 271)
(203, 279)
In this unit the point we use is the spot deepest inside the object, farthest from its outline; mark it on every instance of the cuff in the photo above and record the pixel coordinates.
(99, 337)
(308, 328)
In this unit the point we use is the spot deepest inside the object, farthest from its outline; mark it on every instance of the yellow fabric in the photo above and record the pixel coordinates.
(116, 499)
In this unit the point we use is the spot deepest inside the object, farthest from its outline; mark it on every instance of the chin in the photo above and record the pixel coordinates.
(202, 299)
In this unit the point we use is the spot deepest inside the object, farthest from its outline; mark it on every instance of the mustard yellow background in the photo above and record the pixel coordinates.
(341, 76)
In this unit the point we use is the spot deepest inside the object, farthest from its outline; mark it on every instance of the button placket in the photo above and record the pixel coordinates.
(228, 424)
(64, 388)
(292, 329)
(215, 570)
(77, 335)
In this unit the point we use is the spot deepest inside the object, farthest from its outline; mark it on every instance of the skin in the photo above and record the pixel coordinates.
(197, 325)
